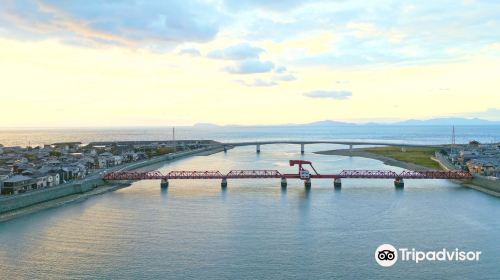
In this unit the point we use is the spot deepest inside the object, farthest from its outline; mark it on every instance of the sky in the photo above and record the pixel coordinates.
(251, 62)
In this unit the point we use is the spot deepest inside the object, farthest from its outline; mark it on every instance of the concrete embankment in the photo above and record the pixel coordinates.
(24, 200)
(480, 183)
(57, 202)
(17, 205)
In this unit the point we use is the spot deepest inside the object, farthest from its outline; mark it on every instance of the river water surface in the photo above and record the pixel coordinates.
(254, 229)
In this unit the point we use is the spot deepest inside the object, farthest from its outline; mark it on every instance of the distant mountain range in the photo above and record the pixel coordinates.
(450, 121)
(411, 122)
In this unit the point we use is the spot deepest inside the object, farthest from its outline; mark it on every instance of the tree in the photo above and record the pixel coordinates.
(55, 153)
(474, 143)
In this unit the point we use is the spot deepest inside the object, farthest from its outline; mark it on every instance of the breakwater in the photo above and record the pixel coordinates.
(15, 202)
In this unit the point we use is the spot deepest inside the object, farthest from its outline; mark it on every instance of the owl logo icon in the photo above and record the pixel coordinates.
(386, 255)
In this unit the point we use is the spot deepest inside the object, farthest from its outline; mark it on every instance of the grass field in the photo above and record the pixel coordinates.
(420, 156)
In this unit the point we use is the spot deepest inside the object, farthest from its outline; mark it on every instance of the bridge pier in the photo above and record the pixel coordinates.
(399, 182)
(164, 183)
(307, 183)
(223, 183)
(258, 148)
(337, 183)
(283, 183)
(302, 149)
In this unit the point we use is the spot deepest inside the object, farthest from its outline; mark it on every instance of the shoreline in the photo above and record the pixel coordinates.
(102, 188)
(359, 152)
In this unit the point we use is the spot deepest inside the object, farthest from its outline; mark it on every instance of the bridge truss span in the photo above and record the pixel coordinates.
(435, 174)
(133, 175)
(211, 174)
(368, 174)
(302, 174)
(241, 174)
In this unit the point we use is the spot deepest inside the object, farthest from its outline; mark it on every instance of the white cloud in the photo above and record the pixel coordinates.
(190, 51)
(285, 78)
(258, 83)
(250, 66)
(129, 23)
(339, 95)
(237, 52)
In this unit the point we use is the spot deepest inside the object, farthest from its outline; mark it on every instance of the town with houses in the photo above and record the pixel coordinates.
(24, 169)
(478, 159)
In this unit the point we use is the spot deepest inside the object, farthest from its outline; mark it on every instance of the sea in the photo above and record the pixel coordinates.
(254, 229)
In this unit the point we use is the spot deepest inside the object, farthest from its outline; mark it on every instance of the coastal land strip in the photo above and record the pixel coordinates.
(100, 188)
(414, 159)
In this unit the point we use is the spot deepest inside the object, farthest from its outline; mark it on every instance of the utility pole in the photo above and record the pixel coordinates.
(452, 140)
(173, 139)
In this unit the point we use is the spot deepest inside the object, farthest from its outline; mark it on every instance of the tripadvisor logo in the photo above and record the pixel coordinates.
(387, 255)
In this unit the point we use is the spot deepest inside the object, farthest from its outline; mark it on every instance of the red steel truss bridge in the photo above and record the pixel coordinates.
(302, 174)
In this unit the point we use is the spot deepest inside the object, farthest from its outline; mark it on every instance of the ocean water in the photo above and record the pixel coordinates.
(385, 133)
(256, 230)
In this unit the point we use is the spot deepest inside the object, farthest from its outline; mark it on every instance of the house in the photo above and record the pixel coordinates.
(484, 166)
(117, 160)
(41, 181)
(53, 179)
(102, 162)
(130, 156)
(108, 159)
(18, 184)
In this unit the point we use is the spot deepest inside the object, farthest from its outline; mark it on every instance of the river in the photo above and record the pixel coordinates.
(256, 230)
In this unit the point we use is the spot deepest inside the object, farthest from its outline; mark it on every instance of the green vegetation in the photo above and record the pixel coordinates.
(158, 152)
(474, 143)
(30, 157)
(420, 156)
(55, 153)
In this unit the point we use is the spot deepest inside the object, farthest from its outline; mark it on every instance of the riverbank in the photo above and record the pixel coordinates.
(478, 183)
(12, 207)
(361, 152)
(60, 201)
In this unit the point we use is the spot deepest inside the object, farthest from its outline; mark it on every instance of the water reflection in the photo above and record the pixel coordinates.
(164, 194)
(223, 193)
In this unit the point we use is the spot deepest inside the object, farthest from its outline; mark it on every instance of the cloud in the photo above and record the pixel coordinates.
(129, 23)
(250, 66)
(339, 95)
(263, 4)
(258, 83)
(237, 52)
(285, 78)
(281, 69)
(190, 51)
(489, 114)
